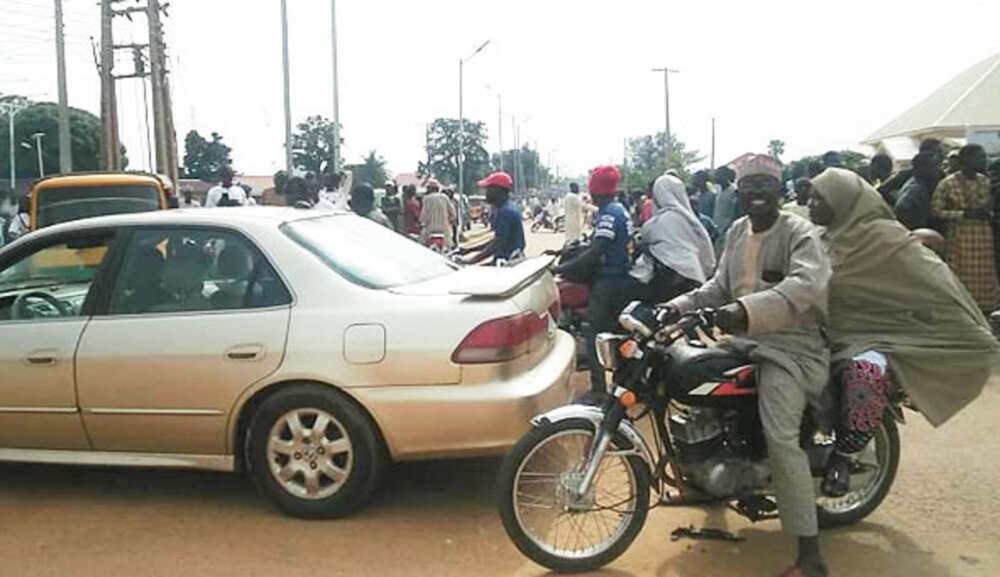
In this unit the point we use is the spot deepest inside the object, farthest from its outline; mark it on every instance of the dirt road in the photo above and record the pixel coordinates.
(438, 519)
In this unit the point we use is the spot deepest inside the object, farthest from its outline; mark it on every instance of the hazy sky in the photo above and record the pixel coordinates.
(817, 75)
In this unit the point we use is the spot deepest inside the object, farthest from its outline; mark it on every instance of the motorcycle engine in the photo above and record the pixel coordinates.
(710, 456)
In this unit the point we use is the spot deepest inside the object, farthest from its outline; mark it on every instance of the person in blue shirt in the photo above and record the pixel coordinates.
(508, 243)
(608, 260)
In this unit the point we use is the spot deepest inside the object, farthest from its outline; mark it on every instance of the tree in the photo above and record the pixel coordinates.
(203, 159)
(43, 117)
(442, 152)
(313, 144)
(371, 170)
(646, 160)
(776, 148)
(530, 170)
(852, 161)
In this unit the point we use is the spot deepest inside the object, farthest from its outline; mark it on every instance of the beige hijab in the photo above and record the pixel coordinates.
(891, 294)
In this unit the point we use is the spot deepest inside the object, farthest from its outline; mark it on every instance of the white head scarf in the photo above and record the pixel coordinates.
(675, 236)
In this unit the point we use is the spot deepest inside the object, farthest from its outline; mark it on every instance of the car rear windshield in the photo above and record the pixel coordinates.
(367, 253)
(65, 204)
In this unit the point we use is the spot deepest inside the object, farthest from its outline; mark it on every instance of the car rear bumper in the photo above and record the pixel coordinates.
(422, 422)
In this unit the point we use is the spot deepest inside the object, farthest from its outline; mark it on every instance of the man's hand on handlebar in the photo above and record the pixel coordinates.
(732, 318)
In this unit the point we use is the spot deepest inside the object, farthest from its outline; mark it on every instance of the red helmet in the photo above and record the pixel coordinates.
(604, 181)
(497, 179)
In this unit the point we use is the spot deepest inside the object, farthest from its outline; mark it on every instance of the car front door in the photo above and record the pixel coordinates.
(195, 317)
(45, 295)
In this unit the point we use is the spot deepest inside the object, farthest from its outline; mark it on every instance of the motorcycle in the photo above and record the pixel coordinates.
(438, 242)
(575, 491)
(574, 293)
(545, 220)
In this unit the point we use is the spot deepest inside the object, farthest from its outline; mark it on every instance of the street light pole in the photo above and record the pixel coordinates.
(288, 104)
(666, 98)
(461, 118)
(65, 152)
(12, 107)
(336, 90)
(38, 136)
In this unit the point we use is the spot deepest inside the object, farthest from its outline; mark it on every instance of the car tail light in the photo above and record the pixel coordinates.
(500, 340)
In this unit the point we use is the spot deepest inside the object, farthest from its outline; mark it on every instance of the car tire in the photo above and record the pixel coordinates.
(308, 473)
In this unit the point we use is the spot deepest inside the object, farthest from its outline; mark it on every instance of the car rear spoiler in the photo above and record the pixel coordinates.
(503, 282)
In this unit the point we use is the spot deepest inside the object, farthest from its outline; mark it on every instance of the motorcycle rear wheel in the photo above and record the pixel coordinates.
(861, 502)
(528, 491)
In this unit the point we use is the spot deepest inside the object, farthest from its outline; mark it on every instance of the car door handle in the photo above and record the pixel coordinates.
(42, 357)
(246, 353)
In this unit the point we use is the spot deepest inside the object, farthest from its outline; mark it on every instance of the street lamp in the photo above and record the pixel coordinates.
(461, 118)
(38, 136)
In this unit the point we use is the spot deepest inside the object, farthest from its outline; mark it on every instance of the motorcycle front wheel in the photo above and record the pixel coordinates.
(873, 472)
(543, 516)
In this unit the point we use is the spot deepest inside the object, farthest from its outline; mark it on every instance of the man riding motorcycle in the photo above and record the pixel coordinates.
(771, 285)
(608, 259)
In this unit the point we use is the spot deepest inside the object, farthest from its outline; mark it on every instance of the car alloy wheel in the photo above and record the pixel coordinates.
(309, 453)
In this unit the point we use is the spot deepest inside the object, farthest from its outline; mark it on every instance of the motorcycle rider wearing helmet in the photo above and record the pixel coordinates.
(609, 259)
(508, 231)
(771, 286)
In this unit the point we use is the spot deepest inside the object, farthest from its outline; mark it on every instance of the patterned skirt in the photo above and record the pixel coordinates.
(971, 257)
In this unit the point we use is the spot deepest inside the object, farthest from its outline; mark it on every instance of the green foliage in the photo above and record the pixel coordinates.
(371, 170)
(776, 148)
(442, 152)
(203, 159)
(646, 160)
(532, 173)
(313, 143)
(852, 161)
(85, 139)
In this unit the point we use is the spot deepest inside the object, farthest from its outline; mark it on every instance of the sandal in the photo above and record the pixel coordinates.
(837, 481)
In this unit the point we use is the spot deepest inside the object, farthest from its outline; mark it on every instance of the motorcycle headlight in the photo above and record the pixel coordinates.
(607, 350)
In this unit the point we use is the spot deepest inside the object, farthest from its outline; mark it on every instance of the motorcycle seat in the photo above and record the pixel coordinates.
(692, 366)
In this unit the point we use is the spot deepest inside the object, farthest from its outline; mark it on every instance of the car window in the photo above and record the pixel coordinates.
(52, 281)
(64, 204)
(189, 270)
(367, 253)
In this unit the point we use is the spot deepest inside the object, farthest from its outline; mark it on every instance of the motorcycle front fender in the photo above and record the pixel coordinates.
(595, 415)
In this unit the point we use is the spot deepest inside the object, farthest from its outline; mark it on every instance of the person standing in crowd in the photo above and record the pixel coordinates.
(704, 194)
(913, 208)
(8, 212)
(187, 199)
(771, 286)
(891, 188)
(832, 159)
(226, 193)
(438, 215)
(576, 213)
(363, 204)
(607, 262)
(727, 204)
(892, 303)
(296, 194)
(676, 254)
(648, 207)
(508, 243)
(459, 215)
(390, 205)
(800, 206)
(411, 211)
(879, 171)
(953, 163)
(332, 195)
(964, 202)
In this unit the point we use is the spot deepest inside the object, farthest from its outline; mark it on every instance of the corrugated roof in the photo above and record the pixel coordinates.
(970, 99)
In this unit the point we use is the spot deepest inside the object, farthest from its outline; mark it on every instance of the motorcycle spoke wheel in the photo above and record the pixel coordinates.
(873, 471)
(553, 518)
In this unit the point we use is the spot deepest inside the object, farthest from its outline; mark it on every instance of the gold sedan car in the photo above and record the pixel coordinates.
(306, 349)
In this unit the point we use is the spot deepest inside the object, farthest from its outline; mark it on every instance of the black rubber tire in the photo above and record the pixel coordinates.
(524, 544)
(828, 519)
(369, 453)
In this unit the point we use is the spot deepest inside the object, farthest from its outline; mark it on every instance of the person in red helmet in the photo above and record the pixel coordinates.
(608, 259)
(508, 232)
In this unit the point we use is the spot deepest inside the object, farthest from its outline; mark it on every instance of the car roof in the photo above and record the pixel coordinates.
(232, 216)
(97, 179)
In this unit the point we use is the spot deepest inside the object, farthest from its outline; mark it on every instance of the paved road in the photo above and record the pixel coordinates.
(438, 519)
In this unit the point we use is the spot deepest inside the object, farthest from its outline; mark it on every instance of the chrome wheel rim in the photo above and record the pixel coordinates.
(874, 460)
(552, 518)
(309, 453)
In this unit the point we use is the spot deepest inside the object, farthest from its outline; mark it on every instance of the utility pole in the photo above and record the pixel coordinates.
(336, 91)
(666, 98)
(461, 118)
(288, 102)
(163, 118)
(11, 108)
(65, 152)
(713, 143)
(38, 136)
(500, 129)
(110, 144)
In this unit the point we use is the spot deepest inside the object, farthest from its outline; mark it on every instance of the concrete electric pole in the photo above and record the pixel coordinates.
(666, 98)
(65, 150)
(11, 108)
(336, 92)
(288, 103)
(163, 117)
(110, 144)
